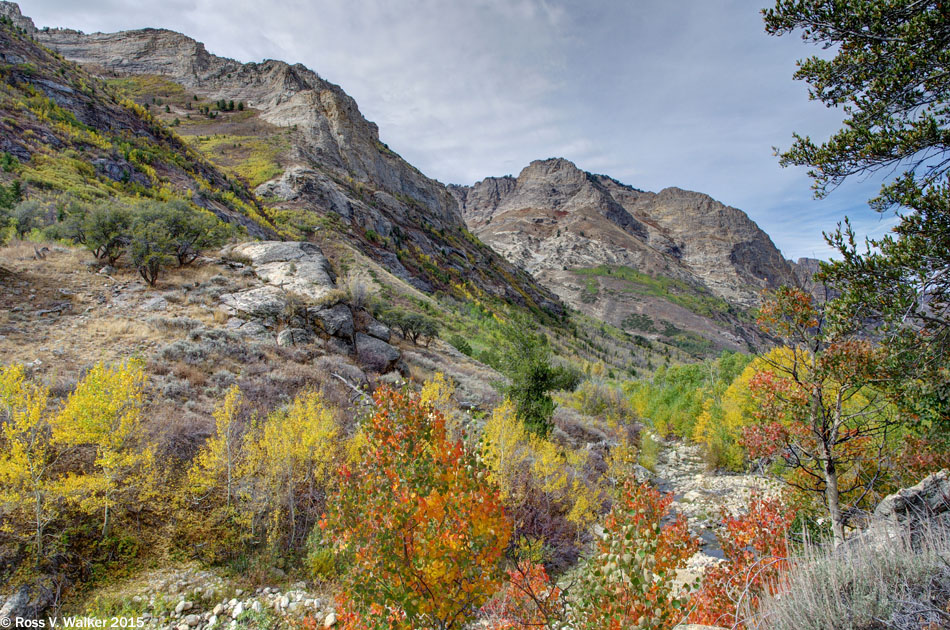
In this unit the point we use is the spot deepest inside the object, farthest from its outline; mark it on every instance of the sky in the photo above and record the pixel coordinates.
(655, 93)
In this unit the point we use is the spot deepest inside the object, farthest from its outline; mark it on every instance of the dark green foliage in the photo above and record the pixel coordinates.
(190, 230)
(889, 75)
(414, 327)
(151, 243)
(30, 215)
(10, 195)
(104, 230)
(459, 343)
(527, 362)
(8, 162)
(155, 234)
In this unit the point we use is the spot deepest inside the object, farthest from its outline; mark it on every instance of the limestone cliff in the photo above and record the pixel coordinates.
(573, 229)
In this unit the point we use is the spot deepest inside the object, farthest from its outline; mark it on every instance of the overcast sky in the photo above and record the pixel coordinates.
(655, 93)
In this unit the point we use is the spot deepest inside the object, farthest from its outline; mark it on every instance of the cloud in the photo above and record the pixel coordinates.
(653, 93)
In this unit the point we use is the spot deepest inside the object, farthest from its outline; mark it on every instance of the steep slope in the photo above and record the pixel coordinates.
(64, 132)
(664, 264)
(315, 159)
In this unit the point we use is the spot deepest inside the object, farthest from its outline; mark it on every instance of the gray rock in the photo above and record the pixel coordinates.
(238, 610)
(330, 620)
(336, 321)
(340, 346)
(378, 330)
(298, 267)
(294, 337)
(182, 606)
(265, 303)
(155, 304)
(375, 354)
(909, 508)
(192, 620)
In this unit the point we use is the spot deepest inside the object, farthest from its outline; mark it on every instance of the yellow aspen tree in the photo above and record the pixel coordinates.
(290, 456)
(104, 413)
(216, 465)
(215, 522)
(503, 448)
(30, 492)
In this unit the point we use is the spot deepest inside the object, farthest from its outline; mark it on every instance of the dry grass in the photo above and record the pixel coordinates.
(868, 584)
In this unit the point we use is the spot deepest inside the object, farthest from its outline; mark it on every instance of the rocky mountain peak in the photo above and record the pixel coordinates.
(11, 11)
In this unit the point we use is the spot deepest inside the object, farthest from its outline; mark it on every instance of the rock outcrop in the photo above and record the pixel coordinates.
(297, 303)
(911, 508)
(554, 219)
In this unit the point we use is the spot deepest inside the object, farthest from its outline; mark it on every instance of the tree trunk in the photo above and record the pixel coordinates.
(831, 497)
(106, 521)
(38, 502)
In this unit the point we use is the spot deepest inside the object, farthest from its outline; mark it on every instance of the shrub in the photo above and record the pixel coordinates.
(151, 246)
(104, 230)
(30, 215)
(630, 580)
(411, 326)
(527, 362)
(756, 551)
(413, 514)
(458, 342)
(864, 584)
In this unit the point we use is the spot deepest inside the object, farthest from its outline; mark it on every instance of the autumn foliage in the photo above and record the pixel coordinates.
(416, 520)
(529, 599)
(630, 579)
(756, 551)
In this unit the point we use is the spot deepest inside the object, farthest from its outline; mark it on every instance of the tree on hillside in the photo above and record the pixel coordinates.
(103, 415)
(31, 493)
(889, 75)
(527, 362)
(817, 411)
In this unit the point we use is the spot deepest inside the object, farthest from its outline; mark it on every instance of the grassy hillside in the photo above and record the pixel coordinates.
(66, 134)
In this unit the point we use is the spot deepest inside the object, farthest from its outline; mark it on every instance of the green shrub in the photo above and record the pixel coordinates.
(527, 362)
(458, 342)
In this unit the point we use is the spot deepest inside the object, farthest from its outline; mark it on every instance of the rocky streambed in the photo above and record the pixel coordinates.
(702, 496)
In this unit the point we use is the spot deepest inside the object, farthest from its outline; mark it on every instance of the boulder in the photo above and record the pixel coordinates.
(378, 330)
(30, 602)
(264, 303)
(375, 354)
(336, 321)
(294, 337)
(296, 266)
(908, 509)
(340, 346)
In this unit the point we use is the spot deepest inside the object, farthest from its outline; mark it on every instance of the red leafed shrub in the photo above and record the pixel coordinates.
(630, 579)
(528, 600)
(756, 551)
(416, 520)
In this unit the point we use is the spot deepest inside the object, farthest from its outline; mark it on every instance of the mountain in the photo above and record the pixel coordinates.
(64, 133)
(674, 264)
(312, 157)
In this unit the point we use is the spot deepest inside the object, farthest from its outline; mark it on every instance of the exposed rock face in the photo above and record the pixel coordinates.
(263, 309)
(554, 218)
(336, 162)
(908, 508)
(12, 11)
(297, 267)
